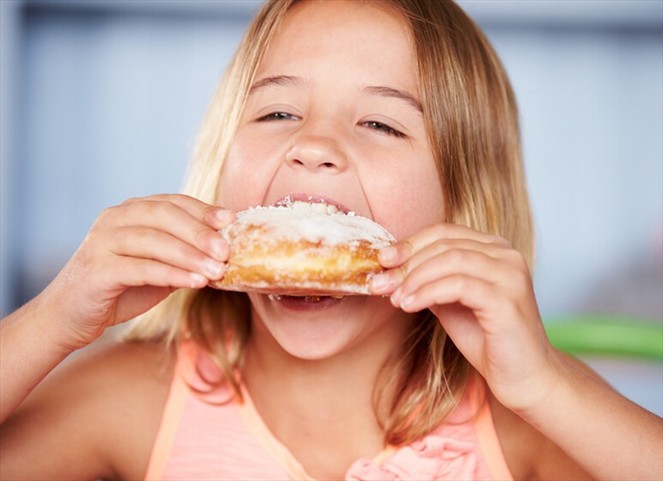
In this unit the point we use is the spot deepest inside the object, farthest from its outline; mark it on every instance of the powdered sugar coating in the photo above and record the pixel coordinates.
(314, 222)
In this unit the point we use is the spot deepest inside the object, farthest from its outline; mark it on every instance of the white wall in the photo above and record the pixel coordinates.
(591, 106)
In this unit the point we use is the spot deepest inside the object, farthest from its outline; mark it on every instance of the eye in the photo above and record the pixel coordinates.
(277, 116)
(384, 128)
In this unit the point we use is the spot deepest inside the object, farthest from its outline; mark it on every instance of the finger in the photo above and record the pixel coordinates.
(451, 262)
(215, 216)
(398, 253)
(471, 292)
(177, 221)
(149, 243)
(455, 252)
(441, 258)
(148, 272)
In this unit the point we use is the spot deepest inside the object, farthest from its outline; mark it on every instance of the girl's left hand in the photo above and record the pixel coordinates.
(481, 290)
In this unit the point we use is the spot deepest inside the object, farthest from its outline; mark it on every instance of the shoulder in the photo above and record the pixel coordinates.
(106, 401)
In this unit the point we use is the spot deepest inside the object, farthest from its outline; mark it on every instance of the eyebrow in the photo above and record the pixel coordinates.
(289, 80)
(395, 93)
(285, 80)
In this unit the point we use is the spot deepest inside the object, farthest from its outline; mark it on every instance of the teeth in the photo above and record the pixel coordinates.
(274, 297)
(315, 207)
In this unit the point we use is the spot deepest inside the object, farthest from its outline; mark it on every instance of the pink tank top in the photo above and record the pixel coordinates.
(204, 437)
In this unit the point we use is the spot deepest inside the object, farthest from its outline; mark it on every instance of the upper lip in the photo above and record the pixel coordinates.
(312, 198)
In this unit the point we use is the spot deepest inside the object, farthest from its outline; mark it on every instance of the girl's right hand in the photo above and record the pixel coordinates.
(133, 257)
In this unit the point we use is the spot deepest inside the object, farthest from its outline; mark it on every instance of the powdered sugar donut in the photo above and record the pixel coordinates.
(302, 248)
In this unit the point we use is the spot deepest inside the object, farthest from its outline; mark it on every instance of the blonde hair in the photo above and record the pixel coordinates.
(472, 123)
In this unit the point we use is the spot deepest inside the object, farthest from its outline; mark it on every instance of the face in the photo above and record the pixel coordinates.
(334, 114)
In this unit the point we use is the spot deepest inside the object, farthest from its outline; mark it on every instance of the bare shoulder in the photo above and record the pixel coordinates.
(529, 454)
(96, 416)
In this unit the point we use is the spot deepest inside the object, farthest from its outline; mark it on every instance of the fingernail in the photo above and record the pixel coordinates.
(212, 268)
(388, 254)
(380, 281)
(407, 301)
(219, 249)
(395, 297)
(197, 279)
(224, 216)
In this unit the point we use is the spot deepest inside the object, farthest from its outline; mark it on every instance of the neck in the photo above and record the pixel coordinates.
(317, 406)
(315, 388)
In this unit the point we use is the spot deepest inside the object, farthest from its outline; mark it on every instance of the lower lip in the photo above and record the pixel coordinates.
(302, 303)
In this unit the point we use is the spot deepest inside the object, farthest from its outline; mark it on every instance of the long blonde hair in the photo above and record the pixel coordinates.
(472, 123)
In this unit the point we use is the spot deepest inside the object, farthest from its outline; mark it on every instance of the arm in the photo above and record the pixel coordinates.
(481, 290)
(610, 436)
(134, 256)
(29, 350)
(529, 454)
(522, 443)
(95, 416)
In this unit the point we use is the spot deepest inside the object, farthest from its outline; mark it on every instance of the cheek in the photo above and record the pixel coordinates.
(407, 205)
(237, 190)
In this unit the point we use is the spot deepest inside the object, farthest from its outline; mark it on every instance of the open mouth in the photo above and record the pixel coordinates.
(312, 203)
(306, 302)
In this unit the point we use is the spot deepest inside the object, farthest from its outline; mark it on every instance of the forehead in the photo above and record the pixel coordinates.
(351, 37)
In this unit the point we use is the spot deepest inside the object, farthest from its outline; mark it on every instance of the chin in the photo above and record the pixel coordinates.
(315, 329)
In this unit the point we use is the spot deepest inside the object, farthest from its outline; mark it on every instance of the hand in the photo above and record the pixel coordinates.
(133, 257)
(481, 290)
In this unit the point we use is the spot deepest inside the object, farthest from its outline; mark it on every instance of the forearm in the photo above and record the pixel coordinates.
(29, 350)
(611, 437)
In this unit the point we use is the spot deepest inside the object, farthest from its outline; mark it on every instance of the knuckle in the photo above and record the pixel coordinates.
(439, 230)
(407, 246)
(108, 215)
(460, 283)
(139, 236)
(402, 271)
(524, 279)
(456, 256)
(521, 283)
(210, 214)
(107, 220)
(202, 236)
(133, 200)
(518, 261)
(161, 208)
(171, 198)
(505, 242)
(179, 196)
(498, 240)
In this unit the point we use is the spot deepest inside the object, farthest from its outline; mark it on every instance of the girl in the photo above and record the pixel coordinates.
(400, 111)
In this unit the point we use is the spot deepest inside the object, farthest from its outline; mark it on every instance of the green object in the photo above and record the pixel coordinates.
(607, 335)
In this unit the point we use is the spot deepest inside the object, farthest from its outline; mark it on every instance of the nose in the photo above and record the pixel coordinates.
(317, 152)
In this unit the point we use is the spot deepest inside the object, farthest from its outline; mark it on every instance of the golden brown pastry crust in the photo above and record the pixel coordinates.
(302, 250)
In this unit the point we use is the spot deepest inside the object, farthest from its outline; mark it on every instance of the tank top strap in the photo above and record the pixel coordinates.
(485, 429)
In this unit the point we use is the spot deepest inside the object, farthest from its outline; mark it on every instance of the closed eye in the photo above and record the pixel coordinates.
(384, 128)
(277, 116)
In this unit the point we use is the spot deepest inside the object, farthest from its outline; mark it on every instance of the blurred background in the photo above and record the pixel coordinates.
(100, 100)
